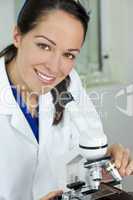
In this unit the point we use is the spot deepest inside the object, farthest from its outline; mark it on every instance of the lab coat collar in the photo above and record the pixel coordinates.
(9, 106)
(7, 102)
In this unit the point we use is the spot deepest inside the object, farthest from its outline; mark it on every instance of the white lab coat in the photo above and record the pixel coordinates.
(29, 170)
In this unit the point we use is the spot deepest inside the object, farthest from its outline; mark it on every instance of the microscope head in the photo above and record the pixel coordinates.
(94, 150)
(93, 147)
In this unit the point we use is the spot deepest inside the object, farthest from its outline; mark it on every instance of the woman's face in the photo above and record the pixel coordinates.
(47, 54)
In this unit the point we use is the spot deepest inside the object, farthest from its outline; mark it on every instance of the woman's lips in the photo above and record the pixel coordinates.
(45, 78)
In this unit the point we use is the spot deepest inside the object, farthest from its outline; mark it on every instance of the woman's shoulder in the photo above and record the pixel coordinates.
(79, 92)
(75, 76)
(76, 87)
(75, 83)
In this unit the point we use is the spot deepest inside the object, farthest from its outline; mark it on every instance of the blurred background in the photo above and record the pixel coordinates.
(105, 64)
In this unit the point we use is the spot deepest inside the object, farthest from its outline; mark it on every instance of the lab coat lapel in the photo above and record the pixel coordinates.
(46, 114)
(9, 106)
(19, 122)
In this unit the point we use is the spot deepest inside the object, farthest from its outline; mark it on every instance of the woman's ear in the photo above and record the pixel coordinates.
(17, 36)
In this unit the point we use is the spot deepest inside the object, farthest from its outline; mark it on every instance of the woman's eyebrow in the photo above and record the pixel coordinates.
(51, 41)
(44, 37)
(74, 50)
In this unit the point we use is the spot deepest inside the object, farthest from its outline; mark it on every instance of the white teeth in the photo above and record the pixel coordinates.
(45, 77)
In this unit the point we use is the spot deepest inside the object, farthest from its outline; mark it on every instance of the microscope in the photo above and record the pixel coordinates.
(92, 147)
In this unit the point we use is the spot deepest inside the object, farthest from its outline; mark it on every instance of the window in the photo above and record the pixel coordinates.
(89, 63)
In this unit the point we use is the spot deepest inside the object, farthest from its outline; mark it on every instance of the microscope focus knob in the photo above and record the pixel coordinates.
(76, 185)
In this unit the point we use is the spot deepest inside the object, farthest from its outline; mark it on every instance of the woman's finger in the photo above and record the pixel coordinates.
(129, 169)
(124, 162)
(52, 195)
(116, 152)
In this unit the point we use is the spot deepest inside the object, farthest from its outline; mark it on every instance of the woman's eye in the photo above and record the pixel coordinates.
(44, 46)
(70, 56)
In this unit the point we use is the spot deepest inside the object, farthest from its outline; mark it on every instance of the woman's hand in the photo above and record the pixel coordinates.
(52, 195)
(122, 159)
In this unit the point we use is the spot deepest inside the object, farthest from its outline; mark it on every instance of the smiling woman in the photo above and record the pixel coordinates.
(55, 57)
(37, 79)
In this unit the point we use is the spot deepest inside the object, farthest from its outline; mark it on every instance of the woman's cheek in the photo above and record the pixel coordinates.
(67, 69)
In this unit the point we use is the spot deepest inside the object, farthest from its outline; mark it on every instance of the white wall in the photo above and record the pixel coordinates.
(117, 38)
(7, 19)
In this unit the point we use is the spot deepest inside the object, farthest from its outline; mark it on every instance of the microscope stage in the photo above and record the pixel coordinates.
(110, 193)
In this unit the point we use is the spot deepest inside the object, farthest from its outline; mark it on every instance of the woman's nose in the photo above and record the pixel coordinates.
(54, 62)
